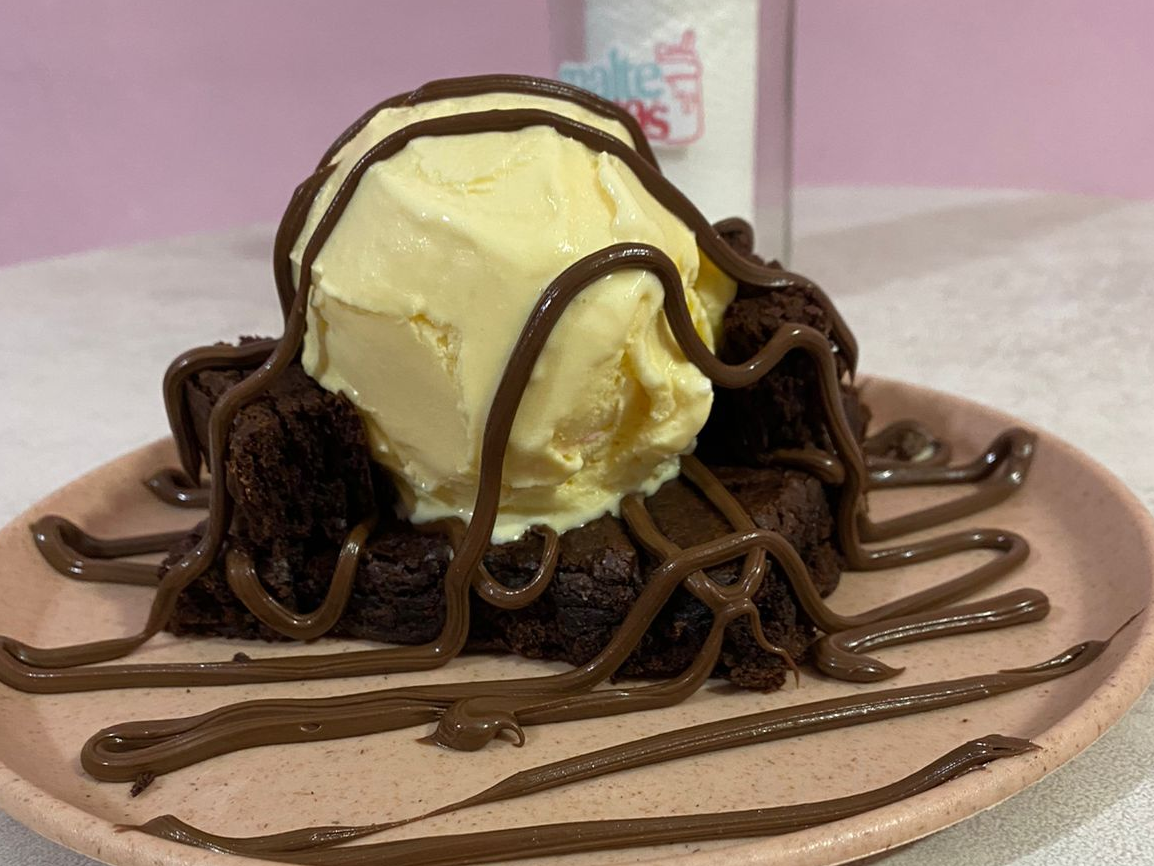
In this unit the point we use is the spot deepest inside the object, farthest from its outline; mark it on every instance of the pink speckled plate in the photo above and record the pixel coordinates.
(1093, 553)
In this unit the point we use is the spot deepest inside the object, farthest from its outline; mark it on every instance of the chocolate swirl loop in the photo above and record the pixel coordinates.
(839, 654)
(74, 553)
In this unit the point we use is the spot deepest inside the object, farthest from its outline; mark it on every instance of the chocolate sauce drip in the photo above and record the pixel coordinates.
(998, 472)
(499, 595)
(246, 356)
(738, 233)
(840, 654)
(762, 727)
(290, 228)
(753, 572)
(822, 465)
(172, 486)
(245, 584)
(573, 837)
(468, 715)
(74, 553)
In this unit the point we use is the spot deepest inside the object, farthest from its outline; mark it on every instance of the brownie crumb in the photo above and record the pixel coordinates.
(142, 782)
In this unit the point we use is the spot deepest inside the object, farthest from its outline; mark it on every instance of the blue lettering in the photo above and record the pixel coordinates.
(586, 75)
(620, 66)
(618, 79)
(647, 72)
(599, 82)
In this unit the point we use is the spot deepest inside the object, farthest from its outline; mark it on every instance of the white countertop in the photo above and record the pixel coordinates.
(1041, 305)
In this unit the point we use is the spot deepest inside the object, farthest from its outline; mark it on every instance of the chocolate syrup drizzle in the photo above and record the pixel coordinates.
(243, 581)
(76, 554)
(838, 654)
(173, 487)
(573, 837)
(468, 715)
(762, 727)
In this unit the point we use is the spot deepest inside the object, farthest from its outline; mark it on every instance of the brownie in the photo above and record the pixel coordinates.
(398, 597)
(299, 470)
(298, 461)
(783, 409)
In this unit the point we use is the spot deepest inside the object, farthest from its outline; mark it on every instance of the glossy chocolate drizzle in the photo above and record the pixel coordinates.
(173, 487)
(839, 654)
(469, 715)
(76, 554)
(243, 581)
(573, 837)
(762, 727)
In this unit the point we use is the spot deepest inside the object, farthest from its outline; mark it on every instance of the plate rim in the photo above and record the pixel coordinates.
(85, 833)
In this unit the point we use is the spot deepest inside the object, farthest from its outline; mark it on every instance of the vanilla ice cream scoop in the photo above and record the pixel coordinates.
(421, 291)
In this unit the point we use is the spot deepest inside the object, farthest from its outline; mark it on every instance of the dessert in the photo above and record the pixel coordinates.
(404, 466)
(397, 595)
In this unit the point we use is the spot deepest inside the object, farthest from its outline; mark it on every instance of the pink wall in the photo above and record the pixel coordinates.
(123, 120)
(1045, 94)
(131, 119)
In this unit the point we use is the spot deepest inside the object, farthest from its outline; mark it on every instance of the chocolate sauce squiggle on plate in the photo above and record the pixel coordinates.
(123, 751)
(839, 654)
(997, 472)
(905, 443)
(74, 553)
(573, 837)
(762, 727)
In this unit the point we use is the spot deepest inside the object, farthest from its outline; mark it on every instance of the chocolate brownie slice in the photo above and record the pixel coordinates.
(298, 461)
(397, 595)
(783, 409)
